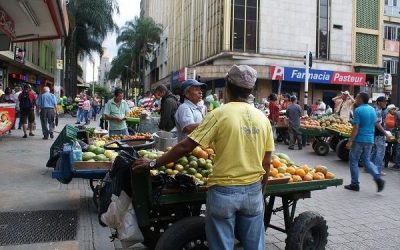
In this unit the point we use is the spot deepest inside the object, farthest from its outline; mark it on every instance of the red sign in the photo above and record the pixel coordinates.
(348, 78)
(7, 117)
(182, 74)
(7, 24)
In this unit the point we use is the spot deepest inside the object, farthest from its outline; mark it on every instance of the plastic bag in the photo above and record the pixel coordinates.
(114, 217)
(129, 233)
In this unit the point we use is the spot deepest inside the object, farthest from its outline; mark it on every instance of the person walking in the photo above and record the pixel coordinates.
(293, 112)
(169, 105)
(47, 106)
(27, 101)
(18, 91)
(189, 114)
(239, 131)
(321, 108)
(378, 150)
(115, 111)
(148, 102)
(86, 110)
(390, 124)
(343, 105)
(95, 107)
(79, 115)
(361, 141)
(273, 115)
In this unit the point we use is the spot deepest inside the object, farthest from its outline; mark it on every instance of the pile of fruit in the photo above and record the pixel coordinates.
(282, 166)
(198, 164)
(137, 136)
(343, 128)
(135, 112)
(98, 153)
(322, 122)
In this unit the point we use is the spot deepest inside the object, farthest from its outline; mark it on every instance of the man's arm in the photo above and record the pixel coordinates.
(189, 129)
(353, 135)
(266, 164)
(183, 148)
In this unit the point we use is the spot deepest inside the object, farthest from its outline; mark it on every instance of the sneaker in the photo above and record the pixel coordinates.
(380, 184)
(383, 173)
(300, 147)
(352, 187)
(45, 138)
(25, 136)
(51, 135)
(31, 134)
(291, 148)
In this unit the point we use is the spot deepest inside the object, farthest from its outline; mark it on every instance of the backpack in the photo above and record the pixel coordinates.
(25, 102)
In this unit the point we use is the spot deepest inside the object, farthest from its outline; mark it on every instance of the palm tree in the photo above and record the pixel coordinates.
(90, 21)
(133, 52)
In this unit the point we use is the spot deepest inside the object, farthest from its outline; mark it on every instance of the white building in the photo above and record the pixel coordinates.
(104, 69)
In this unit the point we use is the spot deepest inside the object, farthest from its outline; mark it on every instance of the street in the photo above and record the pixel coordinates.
(356, 220)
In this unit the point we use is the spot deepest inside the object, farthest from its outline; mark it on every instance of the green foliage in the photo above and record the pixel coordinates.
(101, 91)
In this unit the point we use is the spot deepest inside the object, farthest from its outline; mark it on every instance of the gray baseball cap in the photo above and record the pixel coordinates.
(242, 76)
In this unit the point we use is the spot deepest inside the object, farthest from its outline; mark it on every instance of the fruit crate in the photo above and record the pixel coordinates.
(315, 132)
(67, 135)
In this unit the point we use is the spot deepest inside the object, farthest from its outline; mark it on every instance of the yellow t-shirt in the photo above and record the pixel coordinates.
(241, 134)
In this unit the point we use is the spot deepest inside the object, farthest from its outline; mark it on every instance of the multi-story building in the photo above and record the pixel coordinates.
(344, 37)
(30, 43)
(104, 69)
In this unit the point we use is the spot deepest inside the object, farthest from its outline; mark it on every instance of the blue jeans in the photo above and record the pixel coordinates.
(360, 150)
(235, 207)
(79, 115)
(118, 132)
(397, 155)
(85, 115)
(378, 152)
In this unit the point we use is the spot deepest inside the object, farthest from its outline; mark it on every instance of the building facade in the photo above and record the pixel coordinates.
(205, 38)
(104, 69)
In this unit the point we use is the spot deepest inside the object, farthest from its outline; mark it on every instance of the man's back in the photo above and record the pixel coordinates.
(241, 135)
(293, 112)
(365, 117)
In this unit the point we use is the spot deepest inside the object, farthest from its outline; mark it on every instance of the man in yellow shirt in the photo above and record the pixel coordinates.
(243, 141)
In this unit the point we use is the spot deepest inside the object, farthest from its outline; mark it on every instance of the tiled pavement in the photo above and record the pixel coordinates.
(356, 220)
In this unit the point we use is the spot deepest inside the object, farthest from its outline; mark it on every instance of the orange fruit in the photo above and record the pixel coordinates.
(308, 177)
(276, 163)
(273, 172)
(291, 170)
(296, 178)
(330, 175)
(300, 172)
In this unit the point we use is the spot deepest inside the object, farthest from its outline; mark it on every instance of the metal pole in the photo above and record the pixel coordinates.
(306, 80)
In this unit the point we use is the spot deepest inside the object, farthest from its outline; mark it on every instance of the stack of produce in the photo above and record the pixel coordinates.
(135, 112)
(342, 128)
(137, 136)
(282, 166)
(198, 164)
(322, 122)
(98, 153)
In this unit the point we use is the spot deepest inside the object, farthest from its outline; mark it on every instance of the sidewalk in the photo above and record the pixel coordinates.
(26, 185)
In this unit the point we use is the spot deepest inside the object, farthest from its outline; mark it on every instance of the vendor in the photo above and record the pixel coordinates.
(115, 111)
(189, 114)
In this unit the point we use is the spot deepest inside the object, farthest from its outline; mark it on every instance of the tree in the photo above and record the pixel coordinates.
(133, 40)
(90, 22)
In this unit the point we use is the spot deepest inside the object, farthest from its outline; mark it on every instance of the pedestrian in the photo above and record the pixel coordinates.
(321, 108)
(361, 141)
(79, 115)
(378, 150)
(243, 140)
(273, 112)
(18, 91)
(47, 106)
(390, 124)
(86, 110)
(148, 102)
(7, 97)
(115, 111)
(284, 101)
(95, 107)
(169, 105)
(343, 105)
(294, 114)
(189, 114)
(27, 102)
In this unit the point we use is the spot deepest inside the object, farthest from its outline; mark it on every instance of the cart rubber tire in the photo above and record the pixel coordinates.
(321, 148)
(187, 233)
(341, 151)
(308, 231)
(333, 142)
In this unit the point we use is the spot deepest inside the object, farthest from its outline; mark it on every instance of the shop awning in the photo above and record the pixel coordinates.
(30, 20)
(369, 70)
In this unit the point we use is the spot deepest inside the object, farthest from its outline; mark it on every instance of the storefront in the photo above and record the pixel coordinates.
(323, 84)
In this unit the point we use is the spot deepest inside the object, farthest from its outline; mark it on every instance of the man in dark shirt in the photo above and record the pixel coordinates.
(293, 112)
(169, 105)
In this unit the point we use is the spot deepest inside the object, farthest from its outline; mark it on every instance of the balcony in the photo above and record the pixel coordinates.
(392, 11)
(391, 48)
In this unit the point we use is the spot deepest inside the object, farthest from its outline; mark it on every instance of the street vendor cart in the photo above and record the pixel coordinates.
(321, 139)
(7, 117)
(171, 219)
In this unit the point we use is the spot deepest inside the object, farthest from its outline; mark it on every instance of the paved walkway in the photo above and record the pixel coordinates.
(363, 220)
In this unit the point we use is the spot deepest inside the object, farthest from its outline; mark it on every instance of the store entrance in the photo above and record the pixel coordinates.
(327, 98)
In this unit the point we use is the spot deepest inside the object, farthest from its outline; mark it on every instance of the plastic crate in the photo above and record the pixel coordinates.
(67, 135)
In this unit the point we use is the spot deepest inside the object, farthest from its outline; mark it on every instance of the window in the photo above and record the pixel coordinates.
(386, 2)
(394, 3)
(245, 25)
(323, 30)
(392, 32)
(390, 64)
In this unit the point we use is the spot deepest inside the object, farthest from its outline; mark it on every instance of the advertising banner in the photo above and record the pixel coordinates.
(7, 117)
(317, 76)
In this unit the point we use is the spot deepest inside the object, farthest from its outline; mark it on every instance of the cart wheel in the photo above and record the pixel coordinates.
(187, 233)
(321, 148)
(333, 142)
(313, 144)
(308, 231)
(92, 184)
(341, 151)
